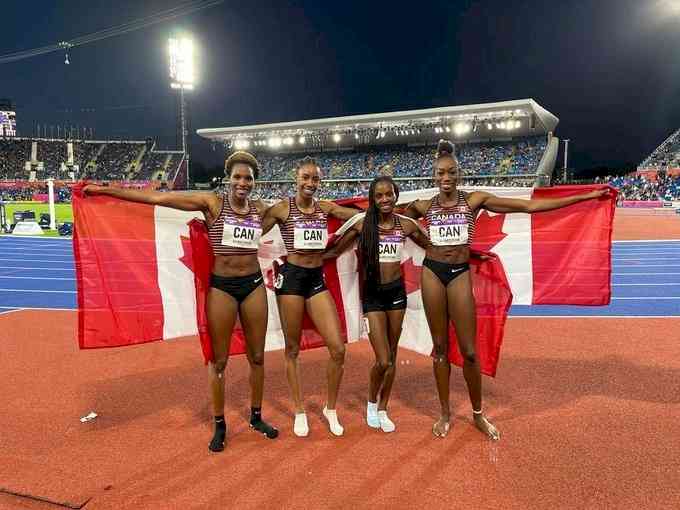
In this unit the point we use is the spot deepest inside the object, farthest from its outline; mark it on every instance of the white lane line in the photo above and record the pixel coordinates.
(35, 248)
(641, 259)
(14, 309)
(641, 265)
(51, 268)
(17, 260)
(41, 278)
(647, 241)
(9, 310)
(642, 298)
(644, 284)
(642, 274)
(593, 316)
(45, 291)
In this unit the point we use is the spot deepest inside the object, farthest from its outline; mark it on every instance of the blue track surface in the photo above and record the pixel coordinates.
(40, 273)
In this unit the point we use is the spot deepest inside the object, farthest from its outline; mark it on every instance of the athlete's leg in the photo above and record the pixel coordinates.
(221, 310)
(464, 316)
(435, 304)
(291, 312)
(321, 308)
(253, 313)
(395, 320)
(377, 334)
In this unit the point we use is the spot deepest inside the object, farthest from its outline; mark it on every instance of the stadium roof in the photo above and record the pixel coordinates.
(489, 121)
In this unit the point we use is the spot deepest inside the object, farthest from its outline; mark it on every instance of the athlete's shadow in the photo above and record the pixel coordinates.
(533, 385)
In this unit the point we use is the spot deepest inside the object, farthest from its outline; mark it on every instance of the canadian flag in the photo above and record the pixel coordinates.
(142, 275)
(143, 272)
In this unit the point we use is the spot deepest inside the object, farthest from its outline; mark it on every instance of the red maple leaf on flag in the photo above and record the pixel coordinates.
(187, 258)
(488, 231)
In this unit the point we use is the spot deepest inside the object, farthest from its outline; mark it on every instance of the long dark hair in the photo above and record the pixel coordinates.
(368, 242)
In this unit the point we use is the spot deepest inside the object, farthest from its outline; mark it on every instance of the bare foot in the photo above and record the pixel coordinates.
(486, 427)
(441, 426)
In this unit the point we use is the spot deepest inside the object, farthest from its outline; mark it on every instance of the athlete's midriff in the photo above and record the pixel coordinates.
(306, 259)
(449, 254)
(235, 265)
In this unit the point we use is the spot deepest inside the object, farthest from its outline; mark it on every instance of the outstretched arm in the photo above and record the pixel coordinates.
(338, 211)
(484, 200)
(189, 201)
(277, 213)
(415, 210)
(415, 232)
(343, 244)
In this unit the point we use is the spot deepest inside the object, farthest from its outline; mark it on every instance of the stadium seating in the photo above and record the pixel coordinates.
(637, 187)
(505, 158)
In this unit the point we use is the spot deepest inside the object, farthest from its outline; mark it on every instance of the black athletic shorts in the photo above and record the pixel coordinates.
(446, 272)
(384, 297)
(238, 287)
(299, 281)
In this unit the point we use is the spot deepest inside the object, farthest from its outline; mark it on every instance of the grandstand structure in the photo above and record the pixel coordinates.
(503, 143)
(28, 160)
(665, 157)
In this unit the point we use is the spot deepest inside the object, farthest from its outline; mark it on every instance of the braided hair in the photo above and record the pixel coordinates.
(369, 239)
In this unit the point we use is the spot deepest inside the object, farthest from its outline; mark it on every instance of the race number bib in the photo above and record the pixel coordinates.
(389, 248)
(240, 233)
(310, 235)
(449, 229)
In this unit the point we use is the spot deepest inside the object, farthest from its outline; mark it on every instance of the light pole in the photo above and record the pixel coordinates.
(566, 157)
(181, 52)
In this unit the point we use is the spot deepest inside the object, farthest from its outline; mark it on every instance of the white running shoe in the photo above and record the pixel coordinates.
(300, 427)
(333, 423)
(372, 415)
(386, 424)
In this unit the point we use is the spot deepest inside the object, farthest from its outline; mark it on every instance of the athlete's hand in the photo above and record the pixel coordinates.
(92, 189)
(604, 192)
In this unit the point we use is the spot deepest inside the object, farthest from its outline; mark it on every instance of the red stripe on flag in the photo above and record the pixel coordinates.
(492, 302)
(571, 249)
(119, 302)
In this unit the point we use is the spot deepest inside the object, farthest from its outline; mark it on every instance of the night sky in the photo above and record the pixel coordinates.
(609, 69)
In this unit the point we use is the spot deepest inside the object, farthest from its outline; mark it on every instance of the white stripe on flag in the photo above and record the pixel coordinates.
(175, 280)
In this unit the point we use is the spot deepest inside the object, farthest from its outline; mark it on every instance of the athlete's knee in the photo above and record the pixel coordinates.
(383, 365)
(256, 358)
(337, 353)
(469, 356)
(292, 351)
(219, 366)
(440, 351)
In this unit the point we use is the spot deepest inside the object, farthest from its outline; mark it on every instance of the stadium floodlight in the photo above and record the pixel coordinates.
(288, 140)
(448, 129)
(301, 140)
(517, 124)
(275, 142)
(356, 136)
(241, 144)
(181, 52)
(337, 137)
(501, 125)
(489, 126)
(461, 128)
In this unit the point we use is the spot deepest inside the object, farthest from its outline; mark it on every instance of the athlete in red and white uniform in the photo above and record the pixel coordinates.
(382, 235)
(237, 290)
(300, 286)
(445, 280)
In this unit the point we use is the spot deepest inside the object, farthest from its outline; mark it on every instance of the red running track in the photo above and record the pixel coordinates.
(588, 410)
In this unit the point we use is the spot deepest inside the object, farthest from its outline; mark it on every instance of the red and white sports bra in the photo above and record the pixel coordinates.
(234, 233)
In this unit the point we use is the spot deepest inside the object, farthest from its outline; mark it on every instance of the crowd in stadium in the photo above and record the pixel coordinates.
(106, 161)
(638, 187)
(505, 164)
(511, 158)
